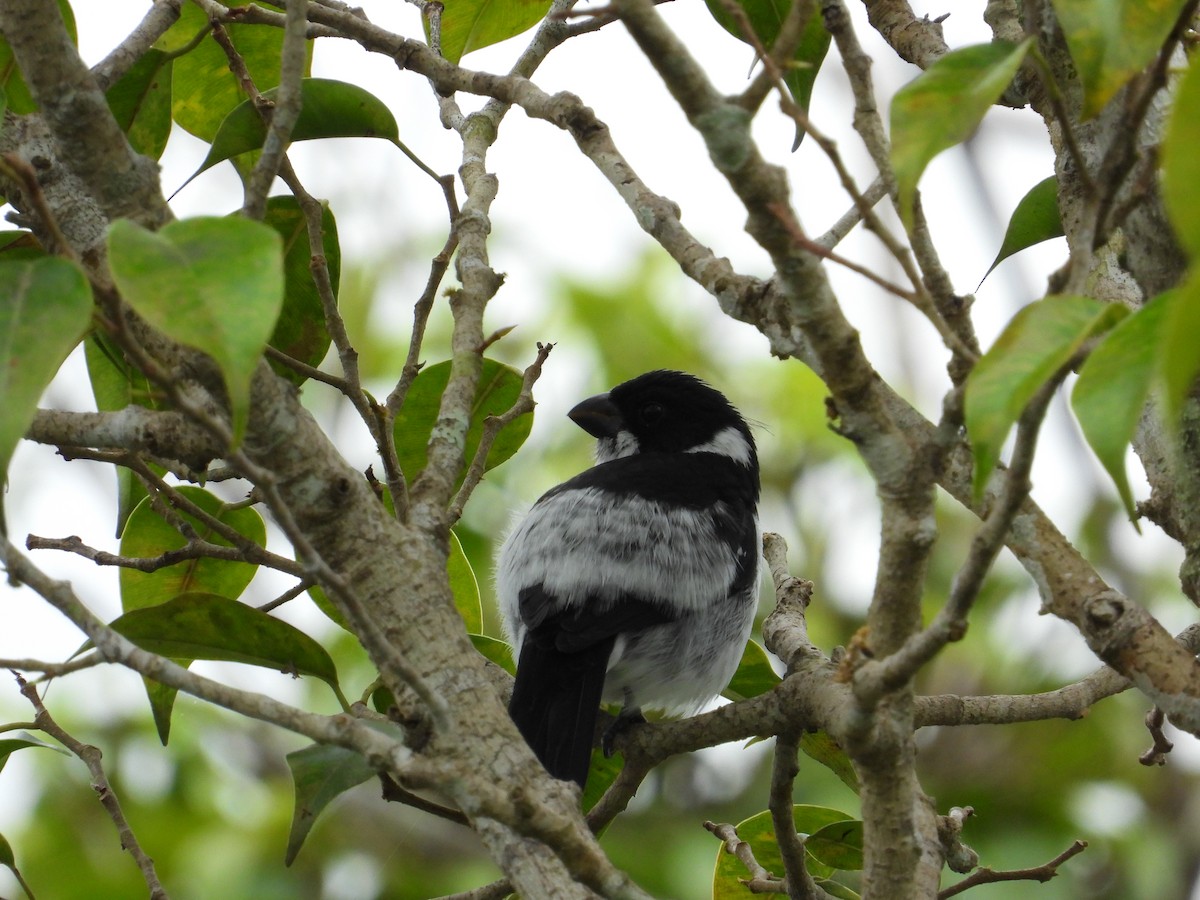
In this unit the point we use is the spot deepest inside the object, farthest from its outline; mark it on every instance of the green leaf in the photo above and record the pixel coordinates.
(330, 109)
(45, 308)
(320, 773)
(162, 703)
(766, 17)
(300, 331)
(6, 854)
(497, 651)
(602, 772)
(1113, 385)
(208, 626)
(1039, 341)
(464, 587)
(1112, 40)
(1181, 350)
(203, 89)
(944, 105)
(20, 101)
(141, 103)
(1035, 219)
(755, 675)
(759, 833)
(820, 747)
(473, 24)
(116, 385)
(9, 746)
(838, 845)
(215, 284)
(1181, 162)
(149, 535)
(499, 386)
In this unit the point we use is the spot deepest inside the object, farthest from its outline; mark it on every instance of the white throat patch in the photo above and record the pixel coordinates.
(608, 449)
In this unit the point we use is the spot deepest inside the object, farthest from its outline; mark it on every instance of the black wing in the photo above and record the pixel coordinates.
(560, 675)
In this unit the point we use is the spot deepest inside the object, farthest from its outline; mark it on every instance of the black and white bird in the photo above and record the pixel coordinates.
(636, 581)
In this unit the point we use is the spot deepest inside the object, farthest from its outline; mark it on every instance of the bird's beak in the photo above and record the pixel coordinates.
(598, 416)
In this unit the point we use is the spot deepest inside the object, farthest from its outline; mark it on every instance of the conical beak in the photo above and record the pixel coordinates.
(598, 416)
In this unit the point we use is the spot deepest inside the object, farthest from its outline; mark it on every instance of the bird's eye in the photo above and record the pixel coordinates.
(651, 413)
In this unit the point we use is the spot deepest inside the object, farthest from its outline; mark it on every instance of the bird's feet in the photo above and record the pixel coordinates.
(626, 718)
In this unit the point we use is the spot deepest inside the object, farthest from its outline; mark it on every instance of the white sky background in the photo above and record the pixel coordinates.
(556, 214)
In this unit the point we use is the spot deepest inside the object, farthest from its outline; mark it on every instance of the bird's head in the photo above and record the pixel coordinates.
(665, 412)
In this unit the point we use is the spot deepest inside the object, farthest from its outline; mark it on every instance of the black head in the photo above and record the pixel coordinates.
(665, 412)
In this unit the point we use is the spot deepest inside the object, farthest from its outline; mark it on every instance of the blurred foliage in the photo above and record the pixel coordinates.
(214, 811)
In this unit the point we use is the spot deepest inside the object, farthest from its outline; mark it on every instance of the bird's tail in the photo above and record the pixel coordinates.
(555, 702)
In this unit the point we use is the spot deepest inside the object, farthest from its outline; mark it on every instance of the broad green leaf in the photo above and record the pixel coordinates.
(45, 308)
(9, 746)
(499, 386)
(1113, 385)
(473, 24)
(820, 747)
(320, 773)
(496, 651)
(149, 535)
(755, 675)
(330, 109)
(838, 845)
(141, 103)
(300, 331)
(1039, 341)
(215, 284)
(464, 587)
(1181, 350)
(766, 17)
(115, 385)
(20, 101)
(1181, 162)
(208, 626)
(759, 833)
(1035, 219)
(202, 87)
(944, 105)
(1112, 40)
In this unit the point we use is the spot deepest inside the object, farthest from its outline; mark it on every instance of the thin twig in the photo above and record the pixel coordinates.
(1042, 873)
(1157, 754)
(784, 769)
(90, 756)
(874, 677)
(284, 112)
(492, 426)
(53, 670)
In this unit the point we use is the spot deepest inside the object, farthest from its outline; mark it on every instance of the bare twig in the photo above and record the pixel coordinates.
(873, 678)
(282, 116)
(1157, 754)
(52, 670)
(1042, 873)
(90, 756)
(761, 881)
(493, 425)
(784, 768)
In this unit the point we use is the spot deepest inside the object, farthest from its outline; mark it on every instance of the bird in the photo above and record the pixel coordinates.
(636, 581)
